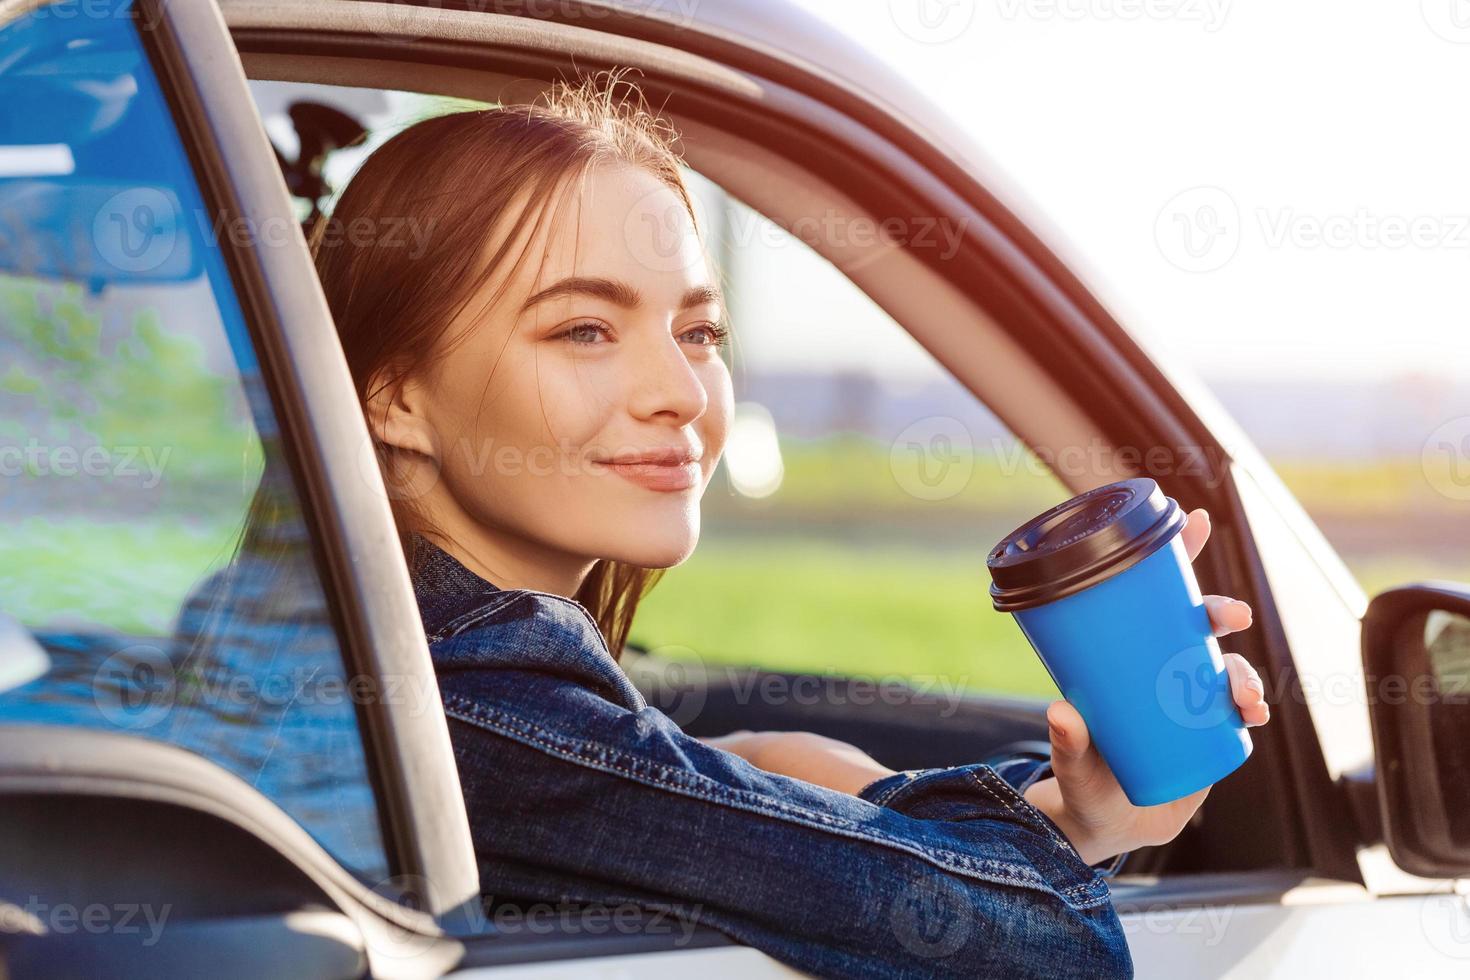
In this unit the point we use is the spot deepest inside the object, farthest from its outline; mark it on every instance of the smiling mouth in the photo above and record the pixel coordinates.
(663, 477)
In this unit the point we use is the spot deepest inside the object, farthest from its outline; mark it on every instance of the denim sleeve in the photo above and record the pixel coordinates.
(580, 793)
(1020, 772)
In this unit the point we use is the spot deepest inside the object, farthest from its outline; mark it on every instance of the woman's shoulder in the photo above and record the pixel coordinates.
(532, 647)
(476, 630)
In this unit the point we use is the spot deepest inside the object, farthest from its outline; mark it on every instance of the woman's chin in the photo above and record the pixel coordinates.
(660, 554)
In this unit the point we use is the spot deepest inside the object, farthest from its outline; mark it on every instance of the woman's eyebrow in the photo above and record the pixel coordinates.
(618, 292)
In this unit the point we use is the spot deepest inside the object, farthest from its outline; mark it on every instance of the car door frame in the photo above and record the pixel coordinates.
(406, 739)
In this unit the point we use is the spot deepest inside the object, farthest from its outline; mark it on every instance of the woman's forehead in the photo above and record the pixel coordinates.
(621, 224)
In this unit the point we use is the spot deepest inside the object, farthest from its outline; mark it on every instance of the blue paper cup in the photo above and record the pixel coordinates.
(1104, 591)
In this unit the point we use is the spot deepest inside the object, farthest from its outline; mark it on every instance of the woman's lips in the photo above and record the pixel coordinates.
(658, 476)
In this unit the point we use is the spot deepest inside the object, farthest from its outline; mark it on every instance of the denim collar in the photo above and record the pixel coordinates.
(442, 584)
(520, 628)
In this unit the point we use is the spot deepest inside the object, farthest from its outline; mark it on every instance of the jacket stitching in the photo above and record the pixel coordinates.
(1081, 895)
(1037, 774)
(493, 603)
(983, 780)
(477, 616)
(888, 794)
(1004, 873)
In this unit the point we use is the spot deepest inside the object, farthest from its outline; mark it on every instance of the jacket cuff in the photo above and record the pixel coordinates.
(1020, 772)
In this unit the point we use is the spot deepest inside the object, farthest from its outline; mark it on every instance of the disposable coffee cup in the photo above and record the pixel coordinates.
(1104, 591)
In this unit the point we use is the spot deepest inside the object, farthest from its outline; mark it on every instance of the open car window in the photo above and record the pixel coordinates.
(157, 575)
(858, 465)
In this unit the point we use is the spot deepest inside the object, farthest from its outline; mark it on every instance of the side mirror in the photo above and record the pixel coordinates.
(1416, 660)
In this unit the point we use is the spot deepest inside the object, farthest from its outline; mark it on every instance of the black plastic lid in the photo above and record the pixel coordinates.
(1080, 542)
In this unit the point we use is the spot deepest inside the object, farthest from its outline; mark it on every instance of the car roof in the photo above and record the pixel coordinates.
(779, 39)
(787, 32)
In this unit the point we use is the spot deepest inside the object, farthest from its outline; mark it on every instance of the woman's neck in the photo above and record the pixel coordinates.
(505, 559)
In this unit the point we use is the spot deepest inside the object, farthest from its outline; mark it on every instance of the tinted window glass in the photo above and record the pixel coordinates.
(156, 572)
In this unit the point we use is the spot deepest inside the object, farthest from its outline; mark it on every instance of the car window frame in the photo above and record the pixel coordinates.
(1131, 400)
(1001, 264)
(323, 434)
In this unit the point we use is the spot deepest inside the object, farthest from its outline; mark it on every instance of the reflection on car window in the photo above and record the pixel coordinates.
(156, 573)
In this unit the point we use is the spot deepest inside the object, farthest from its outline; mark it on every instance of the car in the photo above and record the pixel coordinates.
(268, 788)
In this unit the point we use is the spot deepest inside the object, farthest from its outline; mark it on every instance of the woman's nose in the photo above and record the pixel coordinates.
(664, 382)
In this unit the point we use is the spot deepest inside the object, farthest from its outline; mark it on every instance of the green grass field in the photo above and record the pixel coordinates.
(885, 583)
(824, 608)
(841, 571)
(874, 612)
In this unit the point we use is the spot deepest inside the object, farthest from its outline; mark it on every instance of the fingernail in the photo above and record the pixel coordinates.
(1254, 683)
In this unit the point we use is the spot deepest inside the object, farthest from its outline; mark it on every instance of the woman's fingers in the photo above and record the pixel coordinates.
(1247, 690)
(1196, 532)
(1227, 615)
(1069, 736)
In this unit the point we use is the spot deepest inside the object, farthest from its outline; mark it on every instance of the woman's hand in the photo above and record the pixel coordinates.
(1084, 799)
(805, 755)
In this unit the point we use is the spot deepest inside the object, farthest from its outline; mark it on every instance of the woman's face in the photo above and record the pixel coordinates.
(608, 351)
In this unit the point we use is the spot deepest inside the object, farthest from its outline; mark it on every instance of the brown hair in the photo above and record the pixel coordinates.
(460, 174)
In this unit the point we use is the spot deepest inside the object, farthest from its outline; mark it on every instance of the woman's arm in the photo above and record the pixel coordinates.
(1099, 822)
(579, 792)
(1083, 797)
(936, 873)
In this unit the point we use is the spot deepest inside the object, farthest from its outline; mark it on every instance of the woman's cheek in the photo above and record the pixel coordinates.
(719, 408)
(565, 402)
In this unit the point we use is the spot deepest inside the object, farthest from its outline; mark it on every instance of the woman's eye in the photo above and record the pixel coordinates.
(584, 333)
(715, 335)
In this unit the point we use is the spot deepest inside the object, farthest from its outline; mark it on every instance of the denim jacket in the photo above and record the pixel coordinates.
(580, 793)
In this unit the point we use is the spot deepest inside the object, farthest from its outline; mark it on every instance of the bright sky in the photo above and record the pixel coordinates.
(1267, 188)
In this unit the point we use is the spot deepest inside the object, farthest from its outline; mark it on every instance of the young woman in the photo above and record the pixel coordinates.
(544, 384)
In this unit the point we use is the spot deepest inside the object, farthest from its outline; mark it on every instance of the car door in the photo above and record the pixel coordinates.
(222, 748)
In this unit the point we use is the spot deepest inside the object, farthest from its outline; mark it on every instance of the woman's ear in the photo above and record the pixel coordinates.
(396, 417)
